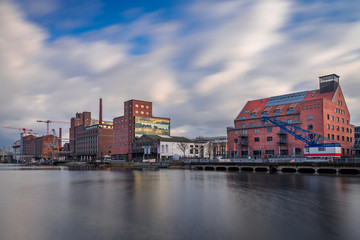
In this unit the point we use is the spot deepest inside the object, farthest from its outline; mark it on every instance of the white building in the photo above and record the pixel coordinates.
(170, 147)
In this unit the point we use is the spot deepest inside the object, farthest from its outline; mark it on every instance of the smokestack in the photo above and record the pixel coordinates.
(60, 136)
(100, 112)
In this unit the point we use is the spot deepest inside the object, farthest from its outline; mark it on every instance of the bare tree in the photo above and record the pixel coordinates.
(183, 147)
(209, 149)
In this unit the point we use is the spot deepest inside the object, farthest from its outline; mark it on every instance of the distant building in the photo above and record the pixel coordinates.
(163, 147)
(218, 145)
(136, 121)
(35, 148)
(90, 139)
(356, 147)
(323, 111)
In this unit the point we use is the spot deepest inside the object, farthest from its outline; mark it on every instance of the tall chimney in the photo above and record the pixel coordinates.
(100, 112)
(60, 136)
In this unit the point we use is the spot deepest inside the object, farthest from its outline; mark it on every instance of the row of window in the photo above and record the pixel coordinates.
(122, 126)
(337, 119)
(312, 106)
(342, 112)
(122, 120)
(338, 128)
(338, 138)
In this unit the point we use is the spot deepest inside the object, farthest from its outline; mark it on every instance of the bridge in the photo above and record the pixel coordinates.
(315, 168)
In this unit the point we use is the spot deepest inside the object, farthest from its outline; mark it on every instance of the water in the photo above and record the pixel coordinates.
(55, 203)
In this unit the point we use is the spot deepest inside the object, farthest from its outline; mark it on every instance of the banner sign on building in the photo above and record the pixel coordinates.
(151, 126)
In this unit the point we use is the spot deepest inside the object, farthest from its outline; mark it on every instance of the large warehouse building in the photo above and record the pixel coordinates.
(322, 111)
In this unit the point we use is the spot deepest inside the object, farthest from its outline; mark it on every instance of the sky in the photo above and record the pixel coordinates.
(198, 61)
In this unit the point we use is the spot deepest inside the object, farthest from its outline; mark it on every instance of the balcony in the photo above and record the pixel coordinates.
(282, 141)
(244, 143)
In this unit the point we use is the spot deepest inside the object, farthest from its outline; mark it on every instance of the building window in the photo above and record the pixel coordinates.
(147, 107)
(337, 119)
(307, 106)
(337, 128)
(347, 121)
(328, 117)
(310, 127)
(241, 118)
(256, 130)
(328, 126)
(244, 132)
(310, 106)
(350, 130)
(291, 110)
(310, 117)
(342, 129)
(265, 113)
(269, 152)
(332, 118)
(142, 106)
(289, 121)
(235, 140)
(338, 137)
(277, 112)
(269, 130)
(347, 139)
(136, 111)
(314, 105)
(303, 107)
(328, 136)
(332, 137)
(343, 138)
(269, 139)
(256, 139)
(350, 139)
(247, 111)
(347, 130)
(342, 120)
(253, 115)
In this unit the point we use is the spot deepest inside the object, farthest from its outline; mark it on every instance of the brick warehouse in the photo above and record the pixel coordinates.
(90, 139)
(323, 111)
(136, 121)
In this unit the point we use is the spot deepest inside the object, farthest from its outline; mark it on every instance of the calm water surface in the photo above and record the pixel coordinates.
(56, 203)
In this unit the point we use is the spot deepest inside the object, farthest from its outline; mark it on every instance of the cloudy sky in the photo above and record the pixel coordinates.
(198, 61)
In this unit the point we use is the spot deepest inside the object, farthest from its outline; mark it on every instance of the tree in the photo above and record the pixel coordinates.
(183, 147)
(209, 149)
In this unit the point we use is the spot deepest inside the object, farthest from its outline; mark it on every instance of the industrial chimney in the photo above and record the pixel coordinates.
(60, 136)
(100, 112)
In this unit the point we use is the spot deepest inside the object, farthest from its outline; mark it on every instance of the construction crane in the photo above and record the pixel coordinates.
(21, 129)
(318, 146)
(48, 124)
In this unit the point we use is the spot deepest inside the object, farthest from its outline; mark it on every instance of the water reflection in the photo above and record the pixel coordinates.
(176, 204)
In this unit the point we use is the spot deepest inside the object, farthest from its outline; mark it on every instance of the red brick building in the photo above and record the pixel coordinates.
(322, 111)
(90, 139)
(37, 148)
(136, 121)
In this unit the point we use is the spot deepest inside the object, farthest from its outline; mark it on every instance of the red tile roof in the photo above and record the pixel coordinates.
(258, 105)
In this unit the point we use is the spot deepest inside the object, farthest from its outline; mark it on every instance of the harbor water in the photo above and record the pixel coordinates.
(41, 203)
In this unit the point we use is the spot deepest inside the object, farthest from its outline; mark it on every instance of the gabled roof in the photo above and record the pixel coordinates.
(282, 103)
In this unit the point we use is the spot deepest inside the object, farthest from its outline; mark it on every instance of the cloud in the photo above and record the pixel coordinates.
(199, 69)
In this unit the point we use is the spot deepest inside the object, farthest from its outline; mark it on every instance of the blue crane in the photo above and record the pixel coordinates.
(310, 138)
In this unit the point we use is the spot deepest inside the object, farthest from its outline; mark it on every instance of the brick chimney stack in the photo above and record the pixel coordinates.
(100, 112)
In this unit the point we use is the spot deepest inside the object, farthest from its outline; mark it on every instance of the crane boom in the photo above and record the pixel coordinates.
(308, 137)
(21, 129)
(48, 124)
